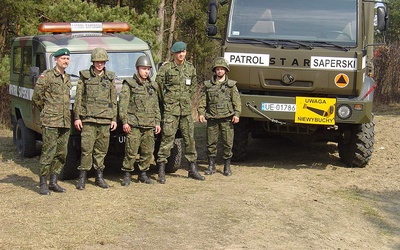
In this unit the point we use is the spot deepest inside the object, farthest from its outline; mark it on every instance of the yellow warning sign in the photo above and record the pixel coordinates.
(313, 110)
(342, 80)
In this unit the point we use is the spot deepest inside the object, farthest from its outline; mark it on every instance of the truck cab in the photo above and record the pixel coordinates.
(303, 70)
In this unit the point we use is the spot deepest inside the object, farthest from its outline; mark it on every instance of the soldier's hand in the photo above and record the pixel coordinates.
(113, 126)
(235, 119)
(202, 119)
(78, 125)
(157, 129)
(126, 128)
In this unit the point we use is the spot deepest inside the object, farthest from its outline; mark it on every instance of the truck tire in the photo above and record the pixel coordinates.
(70, 170)
(174, 160)
(241, 140)
(25, 140)
(356, 144)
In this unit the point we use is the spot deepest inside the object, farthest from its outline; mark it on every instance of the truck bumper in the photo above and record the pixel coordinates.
(287, 109)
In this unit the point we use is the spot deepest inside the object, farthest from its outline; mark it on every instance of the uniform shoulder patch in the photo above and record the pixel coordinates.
(85, 73)
(231, 83)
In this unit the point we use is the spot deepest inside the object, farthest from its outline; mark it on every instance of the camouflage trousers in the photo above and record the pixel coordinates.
(223, 127)
(139, 140)
(170, 127)
(54, 150)
(94, 144)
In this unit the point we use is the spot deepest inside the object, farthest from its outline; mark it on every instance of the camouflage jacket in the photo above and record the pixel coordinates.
(138, 103)
(220, 99)
(52, 97)
(96, 97)
(178, 86)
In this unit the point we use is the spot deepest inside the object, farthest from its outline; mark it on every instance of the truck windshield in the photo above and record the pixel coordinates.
(122, 63)
(293, 20)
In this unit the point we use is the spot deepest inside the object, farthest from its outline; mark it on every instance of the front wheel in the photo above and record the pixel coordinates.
(241, 140)
(356, 144)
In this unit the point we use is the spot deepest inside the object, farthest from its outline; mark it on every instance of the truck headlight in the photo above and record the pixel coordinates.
(344, 111)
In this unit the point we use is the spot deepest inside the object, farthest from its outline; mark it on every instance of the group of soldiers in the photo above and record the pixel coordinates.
(95, 114)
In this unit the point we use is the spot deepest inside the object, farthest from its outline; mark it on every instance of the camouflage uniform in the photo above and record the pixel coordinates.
(139, 107)
(96, 105)
(178, 86)
(52, 97)
(219, 102)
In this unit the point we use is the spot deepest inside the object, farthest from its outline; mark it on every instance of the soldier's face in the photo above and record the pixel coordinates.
(99, 66)
(143, 71)
(180, 56)
(62, 61)
(220, 71)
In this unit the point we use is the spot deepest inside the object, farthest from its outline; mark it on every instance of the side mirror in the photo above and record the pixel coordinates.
(211, 30)
(382, 18)
(212, 11)
(33, 74)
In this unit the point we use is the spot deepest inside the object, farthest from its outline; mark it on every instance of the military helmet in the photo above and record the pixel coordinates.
(220, 62)
(99, 55)
(143, 61)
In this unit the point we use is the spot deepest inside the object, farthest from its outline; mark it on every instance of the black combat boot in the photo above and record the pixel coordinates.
(53, 184)
(211, 166)
(227, 167)
(161, 172)
(81, 180)
(193, 172)
(142, 177)
(126, 181)
(99, 180)
(43, 187)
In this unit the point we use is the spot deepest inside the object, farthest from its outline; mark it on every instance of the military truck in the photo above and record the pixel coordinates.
(31, 55)
(304, 70)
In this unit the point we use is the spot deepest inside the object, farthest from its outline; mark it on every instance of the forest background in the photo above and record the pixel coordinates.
(162, 22)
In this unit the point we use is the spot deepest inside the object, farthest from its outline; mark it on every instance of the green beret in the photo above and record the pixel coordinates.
(178, 46)
(61, 52)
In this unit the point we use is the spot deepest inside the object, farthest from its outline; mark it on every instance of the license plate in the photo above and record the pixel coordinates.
(278, 107)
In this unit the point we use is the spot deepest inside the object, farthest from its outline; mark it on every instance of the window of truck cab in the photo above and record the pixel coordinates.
(305, 21)
(22, 60)
(122, 63)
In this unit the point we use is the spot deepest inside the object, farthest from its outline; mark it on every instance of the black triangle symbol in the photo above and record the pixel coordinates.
(341, 79)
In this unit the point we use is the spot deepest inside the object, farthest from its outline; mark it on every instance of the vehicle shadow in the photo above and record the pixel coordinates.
(276, 153)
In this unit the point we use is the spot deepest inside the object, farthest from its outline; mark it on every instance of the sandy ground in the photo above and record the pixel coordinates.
(286, 196)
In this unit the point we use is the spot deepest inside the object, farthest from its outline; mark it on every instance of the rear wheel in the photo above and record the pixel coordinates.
(70, 169)
(241, 140)
(174, 160)
(24, 139)
(356, 144)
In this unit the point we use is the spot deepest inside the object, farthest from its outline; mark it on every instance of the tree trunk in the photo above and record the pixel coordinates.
(172, 29)
(160, 31)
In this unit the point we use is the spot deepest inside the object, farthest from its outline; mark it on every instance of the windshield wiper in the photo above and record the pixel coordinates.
(273, 45)
(330, 44)
(298, 43)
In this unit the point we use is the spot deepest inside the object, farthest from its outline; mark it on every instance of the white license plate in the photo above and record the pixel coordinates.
(278, 107)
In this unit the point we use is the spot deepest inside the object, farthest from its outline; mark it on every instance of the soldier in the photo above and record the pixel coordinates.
(220, 107)
(139, 112)
(52, 97)
(95, 112)
(177, 80)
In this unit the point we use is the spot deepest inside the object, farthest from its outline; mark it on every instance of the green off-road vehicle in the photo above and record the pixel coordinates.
(31, 55)
(303, 70)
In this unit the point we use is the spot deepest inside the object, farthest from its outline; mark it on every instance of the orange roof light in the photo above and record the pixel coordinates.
(107, 27)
